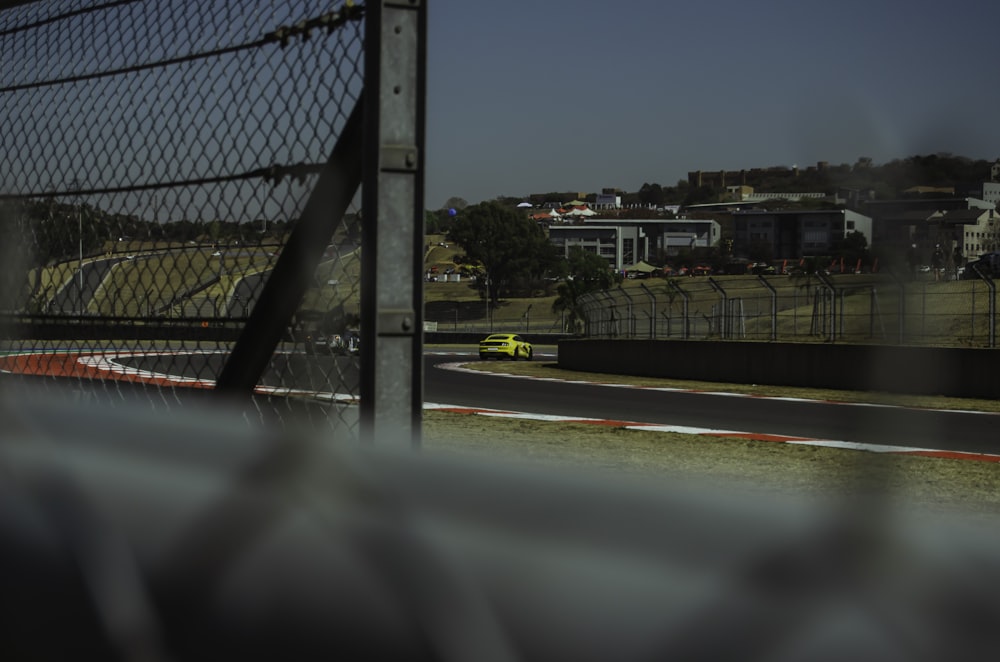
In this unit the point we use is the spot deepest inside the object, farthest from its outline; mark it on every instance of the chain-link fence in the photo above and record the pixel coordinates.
(855, 308)
(179, 202)
(161, 161)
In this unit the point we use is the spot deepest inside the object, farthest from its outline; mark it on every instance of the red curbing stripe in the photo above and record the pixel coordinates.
(751, 436)
(469, 410)
(955, 455)
(604, 422)
(758, 436)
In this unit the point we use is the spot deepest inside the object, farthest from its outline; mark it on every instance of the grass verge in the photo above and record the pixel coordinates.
(927, 484)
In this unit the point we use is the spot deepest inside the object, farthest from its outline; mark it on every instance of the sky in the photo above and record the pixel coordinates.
(579, 95)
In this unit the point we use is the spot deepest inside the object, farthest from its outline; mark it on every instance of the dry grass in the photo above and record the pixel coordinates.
(798, 470)
(926, 484)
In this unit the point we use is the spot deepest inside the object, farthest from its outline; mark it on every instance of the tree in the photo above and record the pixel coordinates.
(586, 272)
(651, 194)
(853, 247)
(589, 267)
(701, 195)
(510, 246)
(437, 222)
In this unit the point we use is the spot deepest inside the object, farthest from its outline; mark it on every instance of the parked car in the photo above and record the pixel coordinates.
(508, 345)
(333, 344)
(761, 269)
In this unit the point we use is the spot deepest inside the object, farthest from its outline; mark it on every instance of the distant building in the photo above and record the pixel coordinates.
(676, 235)
(930, 190)
(737, 192)
(987, 191)
(896, 224)
(549, 200)
(626, 241)
(973, 231)
(722, 179)
(796, 233)
(615, 243)
(608, 201)
(791, 197)
(748, 194)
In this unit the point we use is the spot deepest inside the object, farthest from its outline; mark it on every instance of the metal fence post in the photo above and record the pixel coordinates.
(774, 306)
(652, 310)
(629, 315)
(686, 331)
(828, 285)
(901, 305)
(991, 323)
(391, 378)
(724, 329)
(612, 324)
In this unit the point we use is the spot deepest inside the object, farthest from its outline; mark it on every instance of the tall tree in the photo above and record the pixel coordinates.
(853, 247)
(587, 272)
(508, 244)
(651, 194)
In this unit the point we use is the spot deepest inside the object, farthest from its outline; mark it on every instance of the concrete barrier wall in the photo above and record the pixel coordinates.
(958, 372)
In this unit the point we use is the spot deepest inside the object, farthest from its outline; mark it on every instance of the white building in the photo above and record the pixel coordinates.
(627, 241)
(608, 201)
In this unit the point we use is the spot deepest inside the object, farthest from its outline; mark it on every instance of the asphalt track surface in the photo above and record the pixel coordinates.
(960, 431)
(446, 383)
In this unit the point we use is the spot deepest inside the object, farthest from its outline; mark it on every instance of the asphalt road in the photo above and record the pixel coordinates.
(891, 426)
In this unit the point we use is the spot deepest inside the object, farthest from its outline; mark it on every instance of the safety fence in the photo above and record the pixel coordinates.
(851, 308)
(223, 198)
(181, 199)
(544, 322)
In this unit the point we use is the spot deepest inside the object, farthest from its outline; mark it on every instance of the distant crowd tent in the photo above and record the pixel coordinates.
(525, 205)
(581, 211)
(641, 267)
(550, 215)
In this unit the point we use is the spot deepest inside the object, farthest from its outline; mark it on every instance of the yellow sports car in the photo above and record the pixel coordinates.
(507, 345)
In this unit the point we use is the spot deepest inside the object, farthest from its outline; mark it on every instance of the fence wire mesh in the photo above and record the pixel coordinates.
(855, 308)
(156, 158)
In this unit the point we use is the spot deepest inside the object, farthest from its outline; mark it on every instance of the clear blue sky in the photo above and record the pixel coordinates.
(576, 95)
